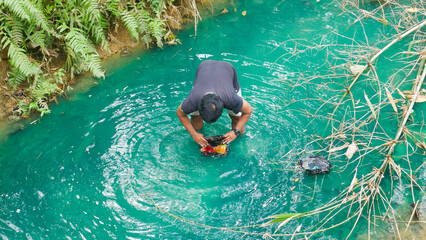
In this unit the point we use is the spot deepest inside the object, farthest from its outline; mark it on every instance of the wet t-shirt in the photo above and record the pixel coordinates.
(216, 77)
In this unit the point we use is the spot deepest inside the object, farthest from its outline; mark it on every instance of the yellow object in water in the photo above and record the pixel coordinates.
(219, 150)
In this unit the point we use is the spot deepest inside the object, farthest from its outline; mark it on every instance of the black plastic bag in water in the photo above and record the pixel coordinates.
(315, 165)
(214, 140)
(215, 147)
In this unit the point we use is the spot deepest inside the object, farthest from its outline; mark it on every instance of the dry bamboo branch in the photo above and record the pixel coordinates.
(408, 32)
(409, 111)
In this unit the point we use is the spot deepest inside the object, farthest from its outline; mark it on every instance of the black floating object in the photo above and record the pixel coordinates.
(214, 140)
(315, 165)
(215, 147)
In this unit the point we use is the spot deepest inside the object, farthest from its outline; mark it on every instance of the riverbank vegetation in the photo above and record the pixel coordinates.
(45, 44)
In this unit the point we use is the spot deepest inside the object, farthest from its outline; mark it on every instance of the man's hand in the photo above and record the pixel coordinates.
(229, 137)
(199, 138)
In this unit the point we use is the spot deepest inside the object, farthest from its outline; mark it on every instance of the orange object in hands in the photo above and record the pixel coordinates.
(215, 148)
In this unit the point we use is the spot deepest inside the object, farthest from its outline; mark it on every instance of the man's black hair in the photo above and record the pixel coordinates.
(210, 108)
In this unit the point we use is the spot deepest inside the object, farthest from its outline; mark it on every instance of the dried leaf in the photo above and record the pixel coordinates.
(401, 93)
(300, 226)
(391, 100)
(408, 92)
(224, 11)
(291, 189)
(411, 10)
(394, 166)
(352, 149)
(354, 181)
(382, 20)
(420, 98)
(296, 180)
(370, 105)
(244, 13)
(356, 69)
(335, 149)
(421, 145)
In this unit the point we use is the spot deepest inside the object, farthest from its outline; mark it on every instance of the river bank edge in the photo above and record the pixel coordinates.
(122, 47)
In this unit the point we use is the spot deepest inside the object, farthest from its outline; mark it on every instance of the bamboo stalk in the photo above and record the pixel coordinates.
(409, 110)
(406, 33)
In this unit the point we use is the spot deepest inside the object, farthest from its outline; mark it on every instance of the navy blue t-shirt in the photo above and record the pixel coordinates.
(216, 77)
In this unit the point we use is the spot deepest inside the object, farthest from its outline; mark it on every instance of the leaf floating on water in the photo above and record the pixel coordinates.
(224, 11)
(356, 69)
(285, 217)
(421, 145)
(411, 10)
(384, 21)
(291, 189)
(235, 10)
(354, 181)
(296, 180)
(401, 93)
(335, 149)
(420, 98)
(244, 13)
(370, 105)
(352, 149)
(391, 100)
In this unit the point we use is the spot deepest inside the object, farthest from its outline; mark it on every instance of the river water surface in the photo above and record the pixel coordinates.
(114, 162)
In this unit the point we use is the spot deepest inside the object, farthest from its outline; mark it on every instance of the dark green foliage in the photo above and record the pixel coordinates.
(32, 31)
(16, 78)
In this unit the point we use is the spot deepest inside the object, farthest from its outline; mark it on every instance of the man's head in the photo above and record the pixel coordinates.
(210, 108)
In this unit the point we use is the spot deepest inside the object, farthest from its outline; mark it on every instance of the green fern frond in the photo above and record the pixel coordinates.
(156, 6)
(113, 7)
(93, 63)
(16, 78)
(157, 31)
(37, 15)
(131, 24)
(38, 38)
(95, 22)
(83, 48)
(143, 20)
(19, 59)
(98, 34)
(92, 11)
(79, 42)
(29, 11)
(17, 30)
(17, 8)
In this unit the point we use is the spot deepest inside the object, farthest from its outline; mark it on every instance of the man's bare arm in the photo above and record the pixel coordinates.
(246, 112)
(198, 137)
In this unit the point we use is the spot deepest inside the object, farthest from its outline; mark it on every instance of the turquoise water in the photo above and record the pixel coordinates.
(113, 162)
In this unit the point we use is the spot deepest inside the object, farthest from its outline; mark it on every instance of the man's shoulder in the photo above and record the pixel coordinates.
(214, 62)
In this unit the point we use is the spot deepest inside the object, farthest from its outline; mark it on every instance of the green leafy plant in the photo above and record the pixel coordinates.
(16, 78)
(32, 31)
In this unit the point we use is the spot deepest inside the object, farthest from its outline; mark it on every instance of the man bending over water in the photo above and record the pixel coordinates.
(215, 87)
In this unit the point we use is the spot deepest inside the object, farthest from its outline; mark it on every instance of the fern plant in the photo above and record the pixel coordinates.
(41, 91)
(16, 78)
(31, 31)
